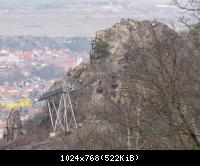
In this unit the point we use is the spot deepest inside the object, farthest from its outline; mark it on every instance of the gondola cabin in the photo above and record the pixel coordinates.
(99, 90)
(114, 85)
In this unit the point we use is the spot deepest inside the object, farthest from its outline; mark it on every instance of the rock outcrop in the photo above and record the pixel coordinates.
(13, 126)
(128, 51)
(112, 51)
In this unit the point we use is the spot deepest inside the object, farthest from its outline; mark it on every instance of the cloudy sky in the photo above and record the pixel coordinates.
(150, 1)
(77, 17)
(41, 2)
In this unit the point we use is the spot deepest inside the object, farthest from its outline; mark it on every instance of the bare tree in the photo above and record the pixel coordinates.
(191, 7)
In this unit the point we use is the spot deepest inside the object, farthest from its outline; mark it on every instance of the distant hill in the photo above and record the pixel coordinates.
(75, 44)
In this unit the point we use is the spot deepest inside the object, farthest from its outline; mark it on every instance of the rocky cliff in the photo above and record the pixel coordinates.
(113, 51)
(151, 65)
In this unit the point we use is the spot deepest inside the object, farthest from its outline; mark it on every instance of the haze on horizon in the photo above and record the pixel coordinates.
(76, 18)
(20, 3)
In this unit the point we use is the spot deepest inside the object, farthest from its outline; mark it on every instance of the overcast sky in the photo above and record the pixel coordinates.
(151, 1)
(38, 2)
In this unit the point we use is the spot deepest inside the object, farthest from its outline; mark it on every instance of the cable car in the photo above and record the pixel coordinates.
(99, 89)
(114, 84)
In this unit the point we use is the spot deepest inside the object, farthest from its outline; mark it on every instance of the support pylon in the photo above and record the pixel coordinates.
(63, 115)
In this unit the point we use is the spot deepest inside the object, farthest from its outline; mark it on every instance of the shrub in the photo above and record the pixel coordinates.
(101, 48)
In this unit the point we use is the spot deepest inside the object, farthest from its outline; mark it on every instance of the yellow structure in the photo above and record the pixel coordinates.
(23, 103)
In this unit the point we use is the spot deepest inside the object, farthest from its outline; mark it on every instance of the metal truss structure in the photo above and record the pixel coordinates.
(61, 116)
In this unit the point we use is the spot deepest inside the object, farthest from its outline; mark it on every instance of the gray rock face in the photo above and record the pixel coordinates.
(113, 50)
(130, 33)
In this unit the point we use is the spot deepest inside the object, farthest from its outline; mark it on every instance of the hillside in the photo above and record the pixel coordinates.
(155, 105)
